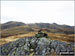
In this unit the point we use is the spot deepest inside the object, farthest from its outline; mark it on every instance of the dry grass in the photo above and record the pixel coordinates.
(16, 37)
(62, 37)
(53, 36)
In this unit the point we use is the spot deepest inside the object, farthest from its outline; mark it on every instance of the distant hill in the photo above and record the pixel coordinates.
(11, 24)
(54, 27)
(13, 28)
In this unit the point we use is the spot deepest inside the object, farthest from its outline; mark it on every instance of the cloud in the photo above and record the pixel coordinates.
(61, 12)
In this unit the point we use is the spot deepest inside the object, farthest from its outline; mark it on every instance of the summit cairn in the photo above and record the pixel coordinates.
(41, 34)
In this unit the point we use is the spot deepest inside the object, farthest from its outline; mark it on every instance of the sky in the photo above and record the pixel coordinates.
(60, 12)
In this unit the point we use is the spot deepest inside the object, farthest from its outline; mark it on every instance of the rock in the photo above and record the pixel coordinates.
(40, 46)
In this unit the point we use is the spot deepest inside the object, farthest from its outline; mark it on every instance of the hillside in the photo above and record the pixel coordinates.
(55, 28)
(11, 24)
(15, 28)
(20, 39)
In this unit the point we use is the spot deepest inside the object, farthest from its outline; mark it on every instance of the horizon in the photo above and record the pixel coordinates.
(35, 23)
(59, 12)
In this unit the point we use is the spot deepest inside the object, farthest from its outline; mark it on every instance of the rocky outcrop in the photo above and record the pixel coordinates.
(38, 46)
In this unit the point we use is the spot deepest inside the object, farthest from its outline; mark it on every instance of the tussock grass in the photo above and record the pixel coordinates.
(53, 36)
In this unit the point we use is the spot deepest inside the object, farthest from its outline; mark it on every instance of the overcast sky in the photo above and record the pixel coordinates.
(60, 12)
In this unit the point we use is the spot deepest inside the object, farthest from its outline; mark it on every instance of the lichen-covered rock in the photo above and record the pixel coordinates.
(40, 46)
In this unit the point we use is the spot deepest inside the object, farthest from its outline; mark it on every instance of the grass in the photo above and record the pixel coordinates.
(53, 36)
(15, 31)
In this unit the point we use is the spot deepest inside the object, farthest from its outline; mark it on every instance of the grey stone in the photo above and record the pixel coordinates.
(40, 46)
